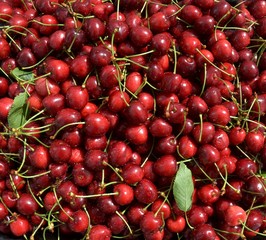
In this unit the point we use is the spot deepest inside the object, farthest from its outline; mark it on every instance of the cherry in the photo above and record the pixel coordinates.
(58, 69)
(204, 231)
(107, 204)
(161, 43)
(39, 157)
(254, 141)
(254, 219)
(145, 191)
(165, 166)
(79, 222)
(203, 133)
(254, 7)
(197, 216)
(132, 173)
(118, 101)
(96, 125)
(26, 204)
(26, 58)
(222, 50)
(176, 225)
(150, 222)
(82, 176)
(140, 36)
(203, 4)
(119, 29)
(186, 66)
(220, 140)
(66, 190)
(116, 223)
(137, 134)
(119, 153)
(235, 215)
(255, 185)
(208, 154)
(175, 113)
(100, 232)
(20, 226)
(234, 191)
(77, 97)
(240, 40)
(136, 112)
(53, 103)
(5, 105)
(219, 114)
(221, 11)
(208, 194)
(187, 147)
(162, 208)
(159, 22)
(109, 76)
(125, 194)
(60, 151)
(6, 50)
(196, 106)
(3, 211)
(160, 128)
(94, 28)
(166, 145)
(248, 70)
(100, 56)
(190, 13)
(190, 45)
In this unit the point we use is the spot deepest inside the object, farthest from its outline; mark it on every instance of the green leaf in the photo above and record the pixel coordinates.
(183, 188)
(21, 75)
(18, 113)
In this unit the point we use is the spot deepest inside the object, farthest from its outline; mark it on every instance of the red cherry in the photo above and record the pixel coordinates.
(79, 222)
(235, 215)
(125, 194)
(20, 226)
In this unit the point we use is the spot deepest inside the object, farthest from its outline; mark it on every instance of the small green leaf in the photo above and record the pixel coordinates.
(21, 75)
(18, 113)
(183, 188)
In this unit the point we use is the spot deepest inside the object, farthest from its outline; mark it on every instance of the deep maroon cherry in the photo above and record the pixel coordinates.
(26, 204)
(145, 191)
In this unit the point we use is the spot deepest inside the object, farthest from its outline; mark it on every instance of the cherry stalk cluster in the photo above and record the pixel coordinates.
(133, 119)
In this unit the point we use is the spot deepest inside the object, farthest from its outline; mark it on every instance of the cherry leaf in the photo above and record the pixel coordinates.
(18, 113)
(21, 75)
(183, 188)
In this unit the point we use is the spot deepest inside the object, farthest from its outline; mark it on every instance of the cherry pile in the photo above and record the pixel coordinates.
(133, 119)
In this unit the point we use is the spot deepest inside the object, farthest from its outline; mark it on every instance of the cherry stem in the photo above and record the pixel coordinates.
(115, 170)
(175, 57)
(149, 154)
(38, 63)
(95, 195)
(32, 194)
(186, 217)
(58, 203)
(243, 152)
(23, 159)
(36, 230)
(129, 228)
(208, 177)
(201, 127)
(230, 75)
(65, 126)
(33, 176)
(247, 212)
(12, 40)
